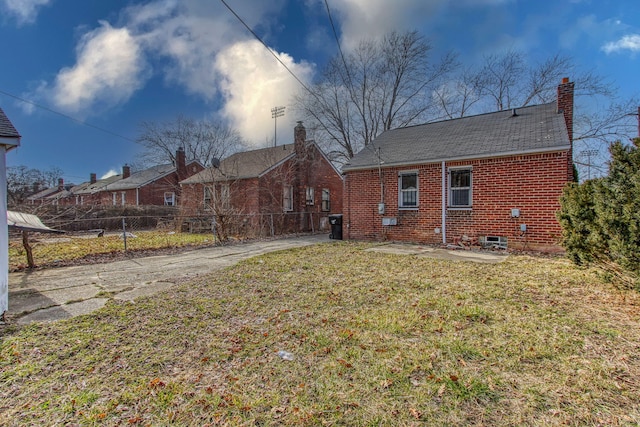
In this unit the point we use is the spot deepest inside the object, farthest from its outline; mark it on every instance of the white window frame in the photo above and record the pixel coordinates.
(208, 195)
(123, 198)
(287, 198)
(454, 189)
(172, 198)
(115, 198)
(225, 198)
(309, 192)
(326, 200)
(404, 192)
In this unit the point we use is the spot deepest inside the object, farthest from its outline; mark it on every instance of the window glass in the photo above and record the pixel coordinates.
(460, 187)
(326, 200)
(408, 190)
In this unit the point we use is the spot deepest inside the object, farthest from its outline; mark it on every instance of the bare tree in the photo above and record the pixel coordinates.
(456, 97)
(23, 181)
(202, 140)
(379, 86)
(508, 80)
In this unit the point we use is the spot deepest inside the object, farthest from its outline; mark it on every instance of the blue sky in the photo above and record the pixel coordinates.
(116, 63)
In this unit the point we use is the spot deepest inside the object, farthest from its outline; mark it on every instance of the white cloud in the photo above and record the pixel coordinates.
(110, 67)
(25, 11)
(253, 84)
(370, 19)
(195, 44)
(629, 42)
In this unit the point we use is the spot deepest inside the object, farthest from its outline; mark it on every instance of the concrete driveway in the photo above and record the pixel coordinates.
(59, 293)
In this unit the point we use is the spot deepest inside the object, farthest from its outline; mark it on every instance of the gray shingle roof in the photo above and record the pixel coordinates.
(6, 127)
(538, 128)
(141, 178)
(247, 164)
(98, 185)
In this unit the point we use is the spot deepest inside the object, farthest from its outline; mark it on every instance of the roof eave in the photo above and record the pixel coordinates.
(459, 158)
(10, 142)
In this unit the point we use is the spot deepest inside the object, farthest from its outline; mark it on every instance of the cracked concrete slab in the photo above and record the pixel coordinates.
(60, 293)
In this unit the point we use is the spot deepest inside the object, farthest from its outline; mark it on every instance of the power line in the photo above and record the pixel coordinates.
(265, 45)
(335, 35)
(66, 116)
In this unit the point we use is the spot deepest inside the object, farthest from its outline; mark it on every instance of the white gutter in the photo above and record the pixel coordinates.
(444, 205)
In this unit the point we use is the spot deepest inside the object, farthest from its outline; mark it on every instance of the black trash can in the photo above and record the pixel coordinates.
(336, 226)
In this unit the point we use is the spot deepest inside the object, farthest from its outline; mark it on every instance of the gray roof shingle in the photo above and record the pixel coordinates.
(6, 127)
(538, 128)
(247, 164)
(141, 178)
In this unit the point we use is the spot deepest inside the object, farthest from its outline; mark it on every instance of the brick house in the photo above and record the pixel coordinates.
(157, 186)
(295, 182)
(493, 179)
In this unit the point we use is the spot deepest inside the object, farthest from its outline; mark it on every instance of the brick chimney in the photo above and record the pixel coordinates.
(300, 137)
(181, 164)
(126, 171)
(60, 184)
(565, 106)
(92, 178)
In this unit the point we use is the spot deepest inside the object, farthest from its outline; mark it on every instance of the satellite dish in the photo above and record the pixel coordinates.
(215, 162)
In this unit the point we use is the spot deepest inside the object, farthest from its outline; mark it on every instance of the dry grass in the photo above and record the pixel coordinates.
(59, 251)
(377, 339)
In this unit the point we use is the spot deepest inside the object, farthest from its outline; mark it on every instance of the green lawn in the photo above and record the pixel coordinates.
(377, 339)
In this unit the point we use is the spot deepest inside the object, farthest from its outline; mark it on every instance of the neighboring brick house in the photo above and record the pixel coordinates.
(493, 178)
(296, 181)
(48, 195)
(157, 185)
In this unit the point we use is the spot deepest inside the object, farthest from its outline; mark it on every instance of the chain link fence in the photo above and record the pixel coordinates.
(109, 232)
(133, 226)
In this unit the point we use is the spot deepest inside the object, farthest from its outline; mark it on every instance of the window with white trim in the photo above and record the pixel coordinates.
(460, 188)
(208, 198)
(310, 196)
(123, 198)
(326, 200)
(169, 198)
(287, 198)
(115, 198)
(408, 190)
(225, 199)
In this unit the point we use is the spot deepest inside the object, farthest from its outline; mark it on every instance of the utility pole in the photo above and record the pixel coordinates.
(589, 153)
(275, 113)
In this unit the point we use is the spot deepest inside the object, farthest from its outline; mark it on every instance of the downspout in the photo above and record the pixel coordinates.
(137, 196)
(444, 205)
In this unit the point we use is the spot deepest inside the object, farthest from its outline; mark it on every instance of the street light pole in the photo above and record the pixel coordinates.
(275, 113)
(589, 153)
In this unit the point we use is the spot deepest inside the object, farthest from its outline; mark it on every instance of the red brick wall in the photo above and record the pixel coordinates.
(531, 183)
(265, 194)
